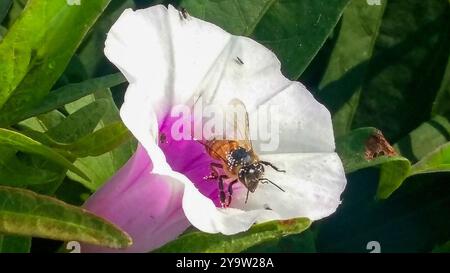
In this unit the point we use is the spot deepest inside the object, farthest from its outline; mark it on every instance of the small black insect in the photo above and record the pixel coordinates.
(162, 138)
(239, 61)
(184, 14)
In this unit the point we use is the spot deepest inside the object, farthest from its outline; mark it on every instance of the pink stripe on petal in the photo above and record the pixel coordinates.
(189, 158)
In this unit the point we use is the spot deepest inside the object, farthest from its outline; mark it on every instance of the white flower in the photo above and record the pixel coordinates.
(169, 60)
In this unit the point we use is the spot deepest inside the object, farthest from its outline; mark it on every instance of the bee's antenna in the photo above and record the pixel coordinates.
(265, 180)
(246, 198)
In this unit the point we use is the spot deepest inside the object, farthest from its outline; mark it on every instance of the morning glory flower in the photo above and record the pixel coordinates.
(172, 59)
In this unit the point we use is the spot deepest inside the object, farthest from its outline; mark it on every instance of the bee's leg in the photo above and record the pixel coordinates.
(230, 191)
(214, 173)
(273, 166)
(222, 194)
(246, 198)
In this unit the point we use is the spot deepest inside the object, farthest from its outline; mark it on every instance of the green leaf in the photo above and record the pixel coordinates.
(18, 173)
(199, 242)
(445, 248)
(63, 96)
(27, 145)
(296, 243)
(2, 32)
(38, 47)
(341, 85)
(441, 105)
(434, 133)
(413, 220)
(99, 142)
(101, 168)
(352, 149)
(94, 63)
(14, 244)
(392, 176)
(14, 12)
(437, 161)
(294, 30)
(394, 170)
(24, 212)
(79, 124)
(407, 68)
(432, 156)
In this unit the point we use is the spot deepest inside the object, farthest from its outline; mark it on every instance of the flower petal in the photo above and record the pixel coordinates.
(304, 124)
(312, 186)
(170, 60)
(312, 189)
(176, 59)
(145, 205)
(142, 122)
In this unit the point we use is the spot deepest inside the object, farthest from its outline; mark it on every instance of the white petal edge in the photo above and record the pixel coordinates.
(313, 186)
(179, 59)
(304, 124)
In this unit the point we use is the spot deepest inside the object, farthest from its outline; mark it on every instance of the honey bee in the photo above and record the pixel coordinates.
(237, 161)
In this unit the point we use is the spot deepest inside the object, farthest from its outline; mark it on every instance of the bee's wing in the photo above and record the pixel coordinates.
(237, 124)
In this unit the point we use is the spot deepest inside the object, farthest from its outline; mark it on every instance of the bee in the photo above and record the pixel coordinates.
(237, 161)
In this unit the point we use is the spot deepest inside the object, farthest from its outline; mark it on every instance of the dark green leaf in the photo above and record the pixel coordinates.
(297, 243)
(63, 96)
(434, 133)
(392, 176)
(441, 105)
(405, 73)
(16, 172)
(413, 219)
(25, 144)
(99, 142)
(352, 150)
(94, 63)
(199, 242)
(4, 8)
(341, 85)
(37, 48)
(23, 212)
(79, 124)
(294, 30)
(14, 244)
(15, 10)
(445, 248)
(101, 168)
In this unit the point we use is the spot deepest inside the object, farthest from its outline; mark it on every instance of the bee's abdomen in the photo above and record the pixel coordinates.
(219, 149)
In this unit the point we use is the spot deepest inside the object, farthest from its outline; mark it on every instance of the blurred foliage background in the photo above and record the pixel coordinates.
(374, 64)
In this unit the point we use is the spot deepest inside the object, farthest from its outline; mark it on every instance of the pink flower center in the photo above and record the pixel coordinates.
(190, 158)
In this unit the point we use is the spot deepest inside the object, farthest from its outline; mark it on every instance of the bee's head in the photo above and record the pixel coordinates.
(250, 175)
